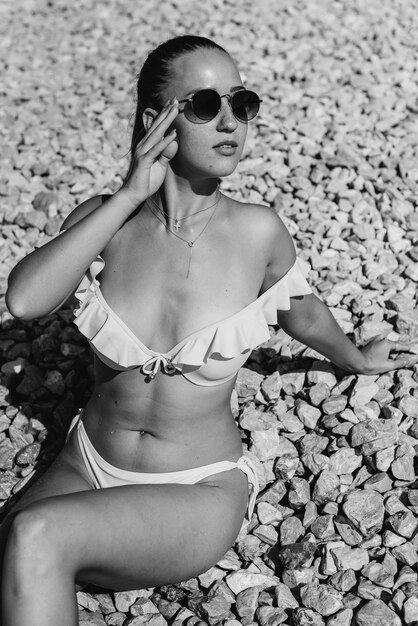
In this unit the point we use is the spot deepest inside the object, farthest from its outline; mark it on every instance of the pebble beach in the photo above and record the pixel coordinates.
(334, 536)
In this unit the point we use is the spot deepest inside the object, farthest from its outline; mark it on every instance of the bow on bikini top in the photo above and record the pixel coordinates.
(210, 356)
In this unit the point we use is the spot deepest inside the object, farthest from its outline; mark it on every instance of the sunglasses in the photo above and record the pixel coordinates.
(206, 104)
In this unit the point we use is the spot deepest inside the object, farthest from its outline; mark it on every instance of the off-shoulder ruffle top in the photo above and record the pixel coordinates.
(210, 356)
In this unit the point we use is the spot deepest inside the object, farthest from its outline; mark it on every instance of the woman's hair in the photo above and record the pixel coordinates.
(155, 75)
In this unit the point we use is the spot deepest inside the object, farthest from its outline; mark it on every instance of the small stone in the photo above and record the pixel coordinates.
(86, 618)
(284, 597)
(365, 510)
(379, 482)
(409, 406)
(253, 419)
(246, 603)
(116, 619)
(290, 423)
(247, 384)
(265, 444)
(321, 598)
(327, 487)
(347, 530)
(374, 435)
(410, 611)
(299, 493)
(296, 555)
(378, 574)
(318, 393)
(291, 529)
(307, 617)
(406, 553)
(384, 458)
(240, 580)
(323, 527)
(214, 609)
(274, 493)
(267, 533)
(269, 514)
(391, 540)
(308, 414)
(270, 616)
(292, 382)
(7, 454)
(54, 382)
(343, 581)
(403, 467)
(345, 461)
(377, 613)
(403, 523)
(125, 599)
(350, 558)
(406, 575)
(28, 455)
(294, 578)
(334, 404)
(272, 386)
(87, 601)
(286, 466)
(342, 618)
(322, 372)
(363, 391)
(32, 381)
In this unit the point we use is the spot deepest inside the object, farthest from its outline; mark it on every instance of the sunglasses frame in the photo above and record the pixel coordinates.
(229, 98)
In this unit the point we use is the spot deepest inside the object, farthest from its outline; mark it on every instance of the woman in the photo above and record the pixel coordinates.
(176, 285)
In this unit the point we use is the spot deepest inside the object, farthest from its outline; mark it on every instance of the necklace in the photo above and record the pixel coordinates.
(177, 220)
(190, 243)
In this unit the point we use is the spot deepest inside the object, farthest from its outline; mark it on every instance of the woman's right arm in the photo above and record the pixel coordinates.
(42, 281)
(45, 278)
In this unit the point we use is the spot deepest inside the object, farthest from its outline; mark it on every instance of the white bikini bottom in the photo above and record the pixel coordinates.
(103, 474)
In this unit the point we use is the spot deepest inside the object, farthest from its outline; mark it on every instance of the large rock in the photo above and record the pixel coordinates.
(365, 510)
(321, 598)
(376, 613)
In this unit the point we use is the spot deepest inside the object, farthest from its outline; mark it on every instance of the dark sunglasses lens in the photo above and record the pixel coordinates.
(245, 105)
(206, 104)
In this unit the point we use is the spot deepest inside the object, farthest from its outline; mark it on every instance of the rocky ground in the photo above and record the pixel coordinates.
(333, 539)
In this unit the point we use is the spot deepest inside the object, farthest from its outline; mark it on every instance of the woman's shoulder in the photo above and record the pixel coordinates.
(82, 210)
(258, 218)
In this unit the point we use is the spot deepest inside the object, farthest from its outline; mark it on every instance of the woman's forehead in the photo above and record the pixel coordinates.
(203, 69)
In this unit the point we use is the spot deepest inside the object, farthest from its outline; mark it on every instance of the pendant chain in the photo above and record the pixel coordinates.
(189, 243)
(177, 220)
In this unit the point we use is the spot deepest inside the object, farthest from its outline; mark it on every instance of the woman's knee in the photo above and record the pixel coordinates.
(32, 544)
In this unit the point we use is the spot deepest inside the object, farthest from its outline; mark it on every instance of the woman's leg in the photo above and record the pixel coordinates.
(122, 538)
(65, 475)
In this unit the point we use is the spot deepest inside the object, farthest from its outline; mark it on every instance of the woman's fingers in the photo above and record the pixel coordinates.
(161, 148)
(399, 346)
(157, 130)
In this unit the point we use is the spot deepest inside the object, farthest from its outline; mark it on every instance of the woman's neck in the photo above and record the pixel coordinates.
(180, 198)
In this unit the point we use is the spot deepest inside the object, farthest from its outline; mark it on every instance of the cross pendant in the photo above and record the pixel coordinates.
(177, 226)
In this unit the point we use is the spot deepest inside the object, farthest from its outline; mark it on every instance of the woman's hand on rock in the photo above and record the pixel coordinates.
(152, 156)
(377, 355)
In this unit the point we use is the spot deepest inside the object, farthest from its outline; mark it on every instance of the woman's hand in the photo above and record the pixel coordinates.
(376, 355)
(152, 156)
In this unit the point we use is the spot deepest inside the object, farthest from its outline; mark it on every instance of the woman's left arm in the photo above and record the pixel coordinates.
(311, 322)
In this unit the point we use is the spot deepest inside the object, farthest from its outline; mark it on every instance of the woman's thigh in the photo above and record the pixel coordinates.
(137, 536)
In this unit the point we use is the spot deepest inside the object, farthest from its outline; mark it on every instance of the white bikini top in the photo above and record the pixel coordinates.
(207, 357)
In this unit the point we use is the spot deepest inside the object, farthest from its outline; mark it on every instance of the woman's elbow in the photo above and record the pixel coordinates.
(17, 307)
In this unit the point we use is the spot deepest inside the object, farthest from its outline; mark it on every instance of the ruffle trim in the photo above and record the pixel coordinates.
(226, 339)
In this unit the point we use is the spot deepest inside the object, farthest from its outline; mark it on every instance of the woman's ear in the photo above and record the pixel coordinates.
(148, 117)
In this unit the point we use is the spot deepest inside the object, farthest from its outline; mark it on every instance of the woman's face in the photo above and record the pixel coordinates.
(202, 150)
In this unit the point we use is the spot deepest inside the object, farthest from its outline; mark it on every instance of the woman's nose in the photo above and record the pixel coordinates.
(227, 119)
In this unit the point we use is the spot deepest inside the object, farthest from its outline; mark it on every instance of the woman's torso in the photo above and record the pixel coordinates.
(168, 423)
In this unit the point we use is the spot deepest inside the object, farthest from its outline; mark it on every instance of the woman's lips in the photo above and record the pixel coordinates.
(226, 148)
